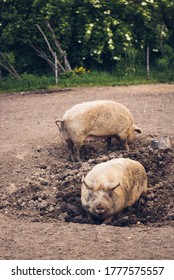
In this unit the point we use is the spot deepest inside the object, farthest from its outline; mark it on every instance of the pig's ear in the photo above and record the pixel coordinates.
(59, 123)
(112, 186)
(87, 184)
(137, 129)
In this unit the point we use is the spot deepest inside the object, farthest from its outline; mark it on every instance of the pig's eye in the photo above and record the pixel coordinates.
(110, 193)
(106, 196)
(91, 196)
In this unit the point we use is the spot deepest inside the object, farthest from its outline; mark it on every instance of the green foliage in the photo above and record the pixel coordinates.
(166, 62)
(9, 57)
(97, 34)
(163, 64)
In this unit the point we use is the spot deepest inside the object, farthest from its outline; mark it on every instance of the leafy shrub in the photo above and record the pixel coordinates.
(163, 64)
(78, 71)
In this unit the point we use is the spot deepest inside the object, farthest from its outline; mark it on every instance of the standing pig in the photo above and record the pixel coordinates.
(96, 119)
(112, 186)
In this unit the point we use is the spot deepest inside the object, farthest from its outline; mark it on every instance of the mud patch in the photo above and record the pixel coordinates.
(52, 192)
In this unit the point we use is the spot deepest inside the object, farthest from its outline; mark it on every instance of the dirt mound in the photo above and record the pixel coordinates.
(53, 191)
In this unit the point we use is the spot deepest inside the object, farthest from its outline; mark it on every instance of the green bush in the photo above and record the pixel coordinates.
(163, 64)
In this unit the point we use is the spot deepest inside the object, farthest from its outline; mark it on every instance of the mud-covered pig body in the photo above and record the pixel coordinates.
(112, 186)
(95, 119)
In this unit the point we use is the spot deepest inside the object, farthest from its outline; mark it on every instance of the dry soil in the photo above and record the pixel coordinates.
(40, 211)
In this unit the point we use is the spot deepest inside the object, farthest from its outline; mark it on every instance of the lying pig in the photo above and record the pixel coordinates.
(96, 119)
(112, 186)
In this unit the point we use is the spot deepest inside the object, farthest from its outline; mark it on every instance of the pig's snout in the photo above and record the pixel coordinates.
(100, 209)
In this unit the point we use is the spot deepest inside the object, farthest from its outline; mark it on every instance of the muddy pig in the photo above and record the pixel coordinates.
(96, 119)
(112, 186)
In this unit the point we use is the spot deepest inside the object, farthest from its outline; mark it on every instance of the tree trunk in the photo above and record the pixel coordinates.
(161, 40)
(0, 74)
(148, 62)
(56, 69)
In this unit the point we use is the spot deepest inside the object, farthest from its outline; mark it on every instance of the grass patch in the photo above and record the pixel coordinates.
(94, 78)
(27, 83)
(103, 78)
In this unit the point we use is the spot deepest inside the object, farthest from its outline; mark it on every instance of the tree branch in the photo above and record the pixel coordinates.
(51, 50)
(43, 55)
(57, 43)
(7, 66)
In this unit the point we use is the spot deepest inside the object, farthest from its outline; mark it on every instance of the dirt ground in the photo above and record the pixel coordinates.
(40, 210)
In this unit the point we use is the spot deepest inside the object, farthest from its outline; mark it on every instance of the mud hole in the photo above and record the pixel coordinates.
(52, 192)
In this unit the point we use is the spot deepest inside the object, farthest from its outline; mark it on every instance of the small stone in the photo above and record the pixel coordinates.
(30, 202)
(43, 205)
(170, 215)
(85, 166)
(150, 203)
(51, 209)
(35, 220)
(150, 196)
(35, 197)
(103, 158)
(44, 196)
(43, 213)
(112, 156)
(78, 219)
(20, 201)
(43, 181)
(42, 166)
(125, 219)
(162, 144)
(39, 149)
